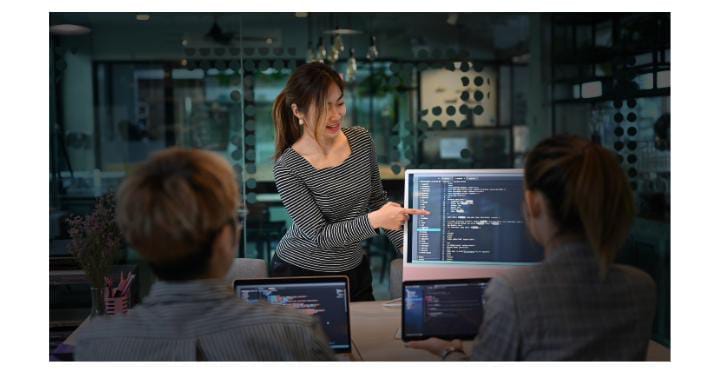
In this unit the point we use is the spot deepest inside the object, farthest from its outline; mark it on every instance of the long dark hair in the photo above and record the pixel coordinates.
(307, 87)
(587, 191)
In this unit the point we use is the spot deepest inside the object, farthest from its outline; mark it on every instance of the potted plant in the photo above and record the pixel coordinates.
(96, 243)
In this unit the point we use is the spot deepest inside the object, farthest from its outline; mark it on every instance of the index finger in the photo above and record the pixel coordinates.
(415, 211)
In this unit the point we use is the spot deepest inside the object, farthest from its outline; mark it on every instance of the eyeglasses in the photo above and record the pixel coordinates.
(237, 221)
(241, 214)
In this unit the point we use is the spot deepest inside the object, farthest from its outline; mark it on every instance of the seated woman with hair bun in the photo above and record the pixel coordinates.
(577, 304)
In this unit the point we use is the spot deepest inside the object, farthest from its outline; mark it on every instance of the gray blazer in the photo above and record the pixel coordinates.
(561, 309)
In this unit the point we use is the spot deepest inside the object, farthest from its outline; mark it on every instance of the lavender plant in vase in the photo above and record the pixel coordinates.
(96, 243)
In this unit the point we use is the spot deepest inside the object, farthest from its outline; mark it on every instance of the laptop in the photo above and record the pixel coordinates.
(447, 309)
(327, 298)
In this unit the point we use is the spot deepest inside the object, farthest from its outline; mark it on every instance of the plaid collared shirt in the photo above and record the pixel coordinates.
(202, 320)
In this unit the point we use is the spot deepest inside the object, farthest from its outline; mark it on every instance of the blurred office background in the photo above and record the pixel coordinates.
(436, 90)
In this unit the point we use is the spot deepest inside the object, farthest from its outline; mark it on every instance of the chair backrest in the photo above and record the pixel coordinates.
(396, 278)
(246, 268)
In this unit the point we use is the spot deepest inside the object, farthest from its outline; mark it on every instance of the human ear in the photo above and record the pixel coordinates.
(532, 201)
(223, 252)
(225, 240)
(296, 111)
(236, 236)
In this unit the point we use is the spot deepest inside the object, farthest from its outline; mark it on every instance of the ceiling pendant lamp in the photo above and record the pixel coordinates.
(321, 53)
(351, 70)
(372, 52)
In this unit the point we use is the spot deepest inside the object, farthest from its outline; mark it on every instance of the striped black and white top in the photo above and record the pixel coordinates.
(202, 320)
(329, 207)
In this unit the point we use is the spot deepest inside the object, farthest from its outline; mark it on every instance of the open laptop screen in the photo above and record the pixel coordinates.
(448, 309)
(325, 298)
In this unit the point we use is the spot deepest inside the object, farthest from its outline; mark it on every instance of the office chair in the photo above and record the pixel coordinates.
(246, 268)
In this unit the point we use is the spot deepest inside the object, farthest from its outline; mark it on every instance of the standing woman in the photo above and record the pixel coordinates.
(329, 182)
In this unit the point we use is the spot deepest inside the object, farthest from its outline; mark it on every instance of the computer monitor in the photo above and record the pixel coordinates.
(476, 227)
(324, 297)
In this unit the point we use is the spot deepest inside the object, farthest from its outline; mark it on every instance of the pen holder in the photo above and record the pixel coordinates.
(116, 305)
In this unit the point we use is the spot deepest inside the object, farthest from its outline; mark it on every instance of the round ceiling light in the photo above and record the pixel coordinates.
(340, 31)
(69, 29)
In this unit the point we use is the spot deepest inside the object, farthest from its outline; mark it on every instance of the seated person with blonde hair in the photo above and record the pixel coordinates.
(179, 211)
